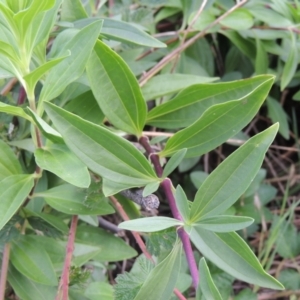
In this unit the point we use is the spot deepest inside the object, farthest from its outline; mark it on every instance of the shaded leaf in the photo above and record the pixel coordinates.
(14, 110)
(174, 162)
(150, 188)
(182, 203)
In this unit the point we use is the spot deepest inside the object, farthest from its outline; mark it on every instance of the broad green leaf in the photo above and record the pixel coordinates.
(72, 200)
(126, 32)
(232, 177)
(112, 248)
(33, 77)
(102, 151)
(13, 190)
(218, 123)
(291, 64)
(116, 90)
(14, 110)
(10, 52)
(277, 114)
(239, 19)
(150, 224)
(150, 188)
(27, 289)
(261, 60)
(8, 19)
(162, 279)
(45, 128)
(173, 162)
(72, 10)
(206, 283)
(165, 84)
(72, 67)
(182, 203)
(31, 259)
(84, 253)
(99, 290)
(224, 223)
(9, 164)
(59, 160)
(231, 253)
(191, 103)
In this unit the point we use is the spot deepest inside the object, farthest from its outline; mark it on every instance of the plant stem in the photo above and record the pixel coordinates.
(167, 187)
(4, 270)
(136, 235)
(63, 288)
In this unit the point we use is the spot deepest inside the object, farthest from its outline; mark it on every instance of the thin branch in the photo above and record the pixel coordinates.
(197, 15)
(4, 270)
(136, 235)
(178, 294)
(185, 45)
(63, 288)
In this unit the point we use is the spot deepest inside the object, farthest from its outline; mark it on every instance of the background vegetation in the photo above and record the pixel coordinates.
(59, 233)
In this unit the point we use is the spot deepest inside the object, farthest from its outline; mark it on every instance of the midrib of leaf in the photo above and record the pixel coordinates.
(127, 112)
(222, 186)
(107, 149)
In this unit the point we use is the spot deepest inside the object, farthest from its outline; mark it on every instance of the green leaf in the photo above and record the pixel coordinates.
(150, 188)
(125, 32)
(103, 152)
(116, 90)
(72, 10)
(174, 162)
(27, 289)
(232, 177)
(232, 254)
(13, 190)
(9, 164)
(239, 19)
(277, 114)
(72, 67)
(190, 104)
(218, 123)
(261, 60)
(14, 110)
(59, 160)
(206, 283)
(162, 279)
(291, 64)
(45, 128)
(182, 203)
(99, 290)
(224, 223)
(150, 224)
(30, 259)
(72, 200)
(33, 77)
(165, 84)
(113, 249)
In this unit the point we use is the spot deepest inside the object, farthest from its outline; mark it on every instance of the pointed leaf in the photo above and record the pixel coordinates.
(13, 190)
(240, 19)
(150, 188)
(174, 162)
(218, 123)
(31, 259)
(116, 90)
(182, 203)
(231, 253)
(224, 223)
(232, 177)
(190, 104)
(206, 284)
(102, 151)
(261, 60)
(71, 67)
(9, 164)
(150, 224)
(14, 110)
(72, 200)
(59, 160)
(162, 279)
(72, 10)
